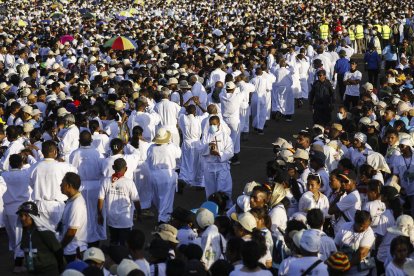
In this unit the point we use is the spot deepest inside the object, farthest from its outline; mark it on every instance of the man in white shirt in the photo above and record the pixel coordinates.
(17, 182)
(231, 100)
(259, 101)
(162, 162)
(198, 91)
(351, 81)
(217, 149)
(169, 112)
(87, 160)
(148, 121)
(45, 179)
(100, 140)
(74, 219)
(70, 139)
(217, 75)
(315, 219)
(121, 199)
(15, 146)
(308, 263)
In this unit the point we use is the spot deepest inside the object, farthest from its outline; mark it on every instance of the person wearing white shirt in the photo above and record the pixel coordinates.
(246, 89)
(15, 147)
(314, 198)
(270, 60)
(70, 139)
(190, 126)
(199, 91)
(136, 244)
(315, 220)
(16, 181)
(45, 179)
(259, 104)
(344, 208)
(73, 230)
(283, 100)
(356, 239)
(231, 99)
(148, 121)
(217, 75)
(121, 198)
(87, 160)
(117, 149)
(100, 141)
(216, 149)
(169, 112)
(308, 263)
(112, 125)
(351, 81)
(141, 173)
(162, 162)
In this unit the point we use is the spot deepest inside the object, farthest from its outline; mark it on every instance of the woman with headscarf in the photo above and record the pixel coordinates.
(278, 214)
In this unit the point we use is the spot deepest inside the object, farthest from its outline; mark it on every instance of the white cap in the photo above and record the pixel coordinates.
(125, 267)
(119, 105)
(94, 254)
(243, 202)
(230, 85)
(204, 218)
(246, 220)
(361, 137)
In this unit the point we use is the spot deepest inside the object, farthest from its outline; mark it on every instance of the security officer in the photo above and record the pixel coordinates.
(359, 36)
(352, 37)
(386, 33)
(324, 30)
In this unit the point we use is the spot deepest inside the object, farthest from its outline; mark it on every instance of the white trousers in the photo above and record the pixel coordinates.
(164, 184)
(217, 178)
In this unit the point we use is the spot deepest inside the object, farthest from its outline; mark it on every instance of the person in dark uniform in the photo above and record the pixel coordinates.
(321, 99)
(43, 252)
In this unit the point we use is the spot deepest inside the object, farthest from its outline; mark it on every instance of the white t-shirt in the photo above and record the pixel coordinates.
(75, 217)
(375, 208)
(308, 202)
(351, 240)
(348, 205)
(119, 197)
(279, 218)
(296, 266)
(327, 245)
(352, 90)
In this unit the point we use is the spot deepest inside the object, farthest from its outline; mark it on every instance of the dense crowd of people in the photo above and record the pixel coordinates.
(109, 108)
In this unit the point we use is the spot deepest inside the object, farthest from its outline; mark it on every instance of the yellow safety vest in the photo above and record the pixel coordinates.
(351, 35)
(324, 29)
(379, 28)
(386, 32)
(359, 32)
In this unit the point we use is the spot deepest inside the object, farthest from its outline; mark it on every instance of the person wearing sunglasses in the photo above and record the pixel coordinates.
(344, 207)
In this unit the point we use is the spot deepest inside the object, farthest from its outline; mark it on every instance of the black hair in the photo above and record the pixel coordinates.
(93, 125)
(362, 216)
(220, 198)
(346, 163)
(116, 145)
(119, 164)
(251, 252)
(136, 239)
(136, 132)
(367, 171)
(15, 161)
(12, 133)
(175, 267)
(315, 218)
(72, 179)
(48, 147)
(85, 138)
(221, 268)
(401, 240)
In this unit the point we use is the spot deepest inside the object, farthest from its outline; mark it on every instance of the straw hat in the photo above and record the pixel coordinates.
(163, 136)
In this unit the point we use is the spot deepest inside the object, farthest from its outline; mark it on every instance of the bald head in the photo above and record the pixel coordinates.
(212, 109)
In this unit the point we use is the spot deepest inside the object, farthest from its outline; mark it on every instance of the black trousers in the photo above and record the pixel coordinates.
(350, 100)
(341, 86)
(373, 77)
(322, 116)
(119, 235)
